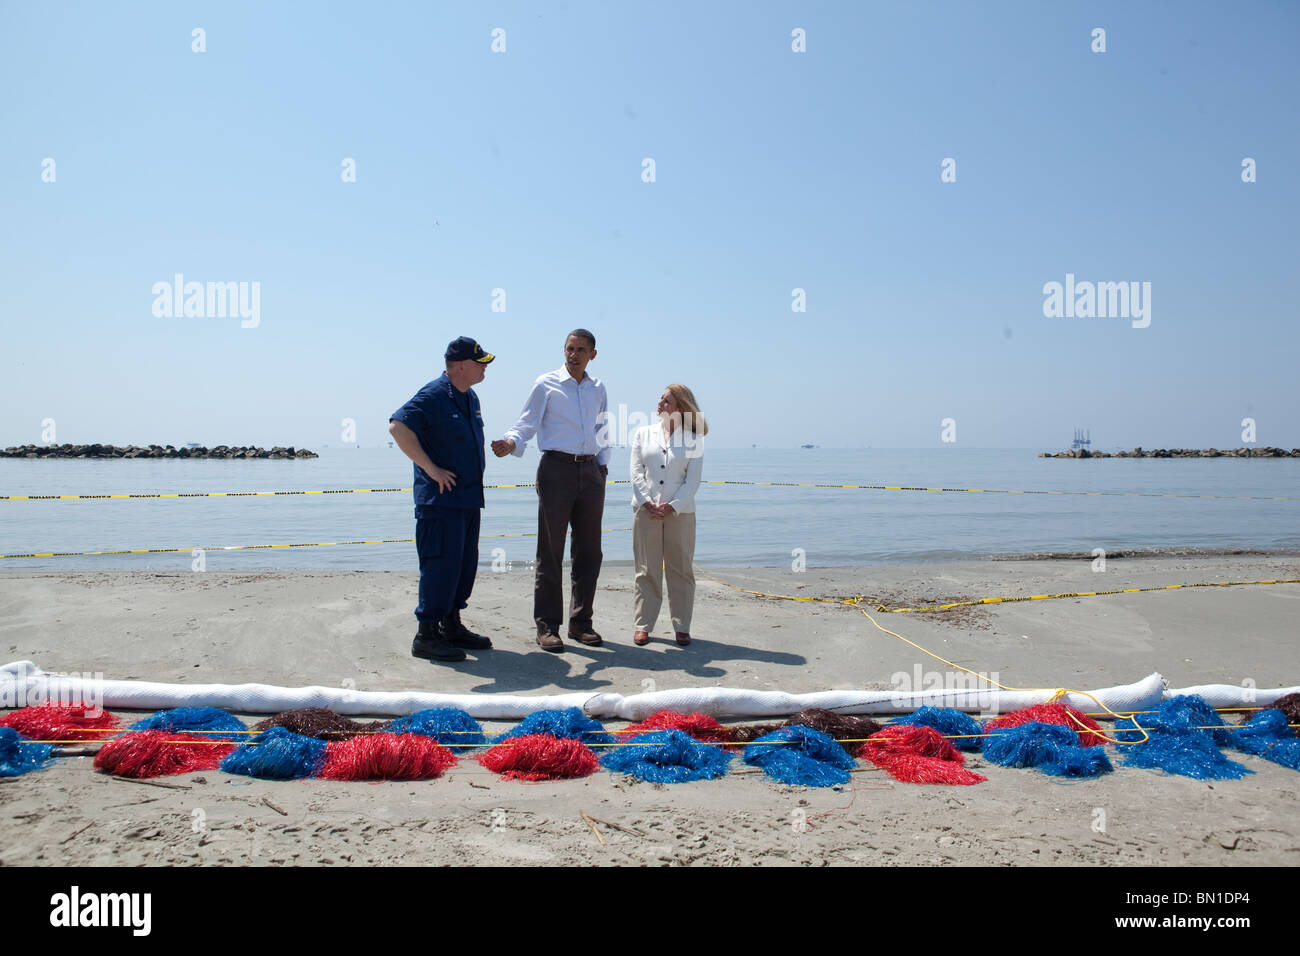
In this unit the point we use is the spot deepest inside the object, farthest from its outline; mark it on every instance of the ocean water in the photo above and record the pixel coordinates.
(737, 525)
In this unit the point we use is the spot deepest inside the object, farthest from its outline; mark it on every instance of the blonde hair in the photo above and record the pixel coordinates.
(689, 408)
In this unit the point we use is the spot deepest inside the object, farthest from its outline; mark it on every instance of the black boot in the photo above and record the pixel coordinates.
(432, 644)
(461, 636)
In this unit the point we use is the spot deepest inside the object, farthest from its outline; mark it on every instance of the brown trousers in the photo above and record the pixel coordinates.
(569, 493)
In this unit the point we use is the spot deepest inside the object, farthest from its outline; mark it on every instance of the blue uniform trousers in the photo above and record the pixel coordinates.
(447, 541)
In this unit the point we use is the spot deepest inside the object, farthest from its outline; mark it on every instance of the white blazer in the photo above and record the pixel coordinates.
(666, 471)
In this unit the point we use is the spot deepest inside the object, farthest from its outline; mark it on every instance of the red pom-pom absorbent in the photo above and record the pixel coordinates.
(157, 753)
(918, 755)
(700, 726)
(61, 722)
(540, 757)
(385, 757)
(1062, 714)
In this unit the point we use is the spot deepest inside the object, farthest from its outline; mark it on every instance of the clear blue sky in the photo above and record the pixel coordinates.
(775, 170)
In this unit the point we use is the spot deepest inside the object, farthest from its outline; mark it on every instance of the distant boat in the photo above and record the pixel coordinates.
(807, 446)
(390, 444)
(192, 444)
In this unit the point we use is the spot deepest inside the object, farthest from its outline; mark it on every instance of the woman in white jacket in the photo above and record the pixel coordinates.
(667, 462)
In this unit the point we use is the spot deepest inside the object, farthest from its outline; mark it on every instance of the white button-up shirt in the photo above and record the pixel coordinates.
(565, 415)
(666, 470)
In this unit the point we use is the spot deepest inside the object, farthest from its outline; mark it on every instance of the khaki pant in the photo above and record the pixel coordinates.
(664, 545)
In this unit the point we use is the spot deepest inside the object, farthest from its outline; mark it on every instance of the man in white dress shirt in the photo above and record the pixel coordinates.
(566, 410)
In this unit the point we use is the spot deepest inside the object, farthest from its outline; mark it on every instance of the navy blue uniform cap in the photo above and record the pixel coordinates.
(466, 348)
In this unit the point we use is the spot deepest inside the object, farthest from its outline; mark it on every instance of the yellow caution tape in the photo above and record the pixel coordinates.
(255, 547)
(1075, 594)
(1000, 491)
(707, 481)
(880, 608)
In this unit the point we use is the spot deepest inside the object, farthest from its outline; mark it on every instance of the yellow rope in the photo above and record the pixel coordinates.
(629, 743)
(1057, 693)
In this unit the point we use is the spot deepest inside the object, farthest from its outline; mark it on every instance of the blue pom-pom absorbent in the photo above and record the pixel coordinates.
(800, 756)
(450, 727)
(1183, 714)
(1051, 748)
(1188, 754)
(962, 730)
(19, 755)
(570, 724)
(196, 723)
(277, 754)
(1267, 735)
(1178, 742)
(668, 756)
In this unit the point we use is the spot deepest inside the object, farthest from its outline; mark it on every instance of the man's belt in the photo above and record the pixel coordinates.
(565, 456)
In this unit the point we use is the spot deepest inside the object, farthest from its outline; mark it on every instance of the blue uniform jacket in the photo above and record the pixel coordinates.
(437, 416)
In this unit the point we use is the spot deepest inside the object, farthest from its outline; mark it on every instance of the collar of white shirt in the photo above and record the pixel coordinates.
(563, 377)
(659, 434)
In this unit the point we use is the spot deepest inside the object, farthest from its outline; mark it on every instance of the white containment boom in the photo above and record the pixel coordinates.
(23, 684)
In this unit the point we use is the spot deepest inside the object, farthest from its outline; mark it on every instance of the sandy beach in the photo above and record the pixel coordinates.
(354, 629)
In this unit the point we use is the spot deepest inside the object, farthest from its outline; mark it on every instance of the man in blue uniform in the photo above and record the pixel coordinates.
(441, 430)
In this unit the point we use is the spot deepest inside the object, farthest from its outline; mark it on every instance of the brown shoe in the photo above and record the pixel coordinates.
(550, 641)
(683, 638)
(590, 638)
(641, 638)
